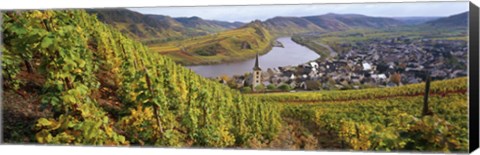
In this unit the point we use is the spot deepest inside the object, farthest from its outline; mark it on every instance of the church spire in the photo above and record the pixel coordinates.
(257, 75)
(256, 67)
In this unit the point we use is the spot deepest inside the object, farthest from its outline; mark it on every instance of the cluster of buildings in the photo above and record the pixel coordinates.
(377, 63)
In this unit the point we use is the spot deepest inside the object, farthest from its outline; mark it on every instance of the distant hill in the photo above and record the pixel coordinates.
(159, 27)
(291, 25)
(458, 20)
(356, 20)
(327, 22)
(415, 20)
(230, 45)
(193, 40)
(228, 24)
(208, 26)
(137, 25)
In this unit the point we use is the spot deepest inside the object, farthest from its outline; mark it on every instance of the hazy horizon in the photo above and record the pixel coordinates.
(249, 13)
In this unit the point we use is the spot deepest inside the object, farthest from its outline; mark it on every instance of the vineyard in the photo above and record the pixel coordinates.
(70, 79)
(226, 46)
(383, 119)
(437, 87)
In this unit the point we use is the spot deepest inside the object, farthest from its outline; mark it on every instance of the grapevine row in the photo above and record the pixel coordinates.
(439, 87)
(391, 124)
(161, 103)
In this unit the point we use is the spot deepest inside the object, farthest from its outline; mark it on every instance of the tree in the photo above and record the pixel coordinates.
(246, 89)
(260, 88)
(396, 78)
(271, 87)
(224, 77)
(285, 87)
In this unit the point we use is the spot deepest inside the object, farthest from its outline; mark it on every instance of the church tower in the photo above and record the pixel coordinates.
(257, 74)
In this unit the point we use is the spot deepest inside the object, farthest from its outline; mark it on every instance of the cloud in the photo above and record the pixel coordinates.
(263, 12)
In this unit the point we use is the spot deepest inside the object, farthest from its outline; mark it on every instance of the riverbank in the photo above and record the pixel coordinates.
(323, 50)
(291, 54)
(222, 47)
(213, 60)
(245, 57)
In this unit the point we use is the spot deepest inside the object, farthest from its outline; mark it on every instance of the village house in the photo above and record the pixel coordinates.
(369, 63)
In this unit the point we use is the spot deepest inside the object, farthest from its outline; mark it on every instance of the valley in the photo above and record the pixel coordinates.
(366, 58)
(196, 41)
(290, 53)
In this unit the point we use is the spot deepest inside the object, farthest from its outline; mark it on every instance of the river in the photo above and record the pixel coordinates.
(291, 54)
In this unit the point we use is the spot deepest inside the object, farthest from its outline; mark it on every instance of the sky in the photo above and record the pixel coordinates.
(263, 12)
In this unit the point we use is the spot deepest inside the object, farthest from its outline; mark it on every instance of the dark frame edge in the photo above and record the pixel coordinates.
(1, 78)
(473, 77)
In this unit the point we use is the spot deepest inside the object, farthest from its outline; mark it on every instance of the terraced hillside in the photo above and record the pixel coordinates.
(232, 45)
(382, 118)
(70, 79)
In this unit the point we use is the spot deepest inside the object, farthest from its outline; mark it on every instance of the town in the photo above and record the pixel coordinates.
(374, 63)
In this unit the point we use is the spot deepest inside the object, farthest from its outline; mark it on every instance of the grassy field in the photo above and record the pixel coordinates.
(231, 45)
